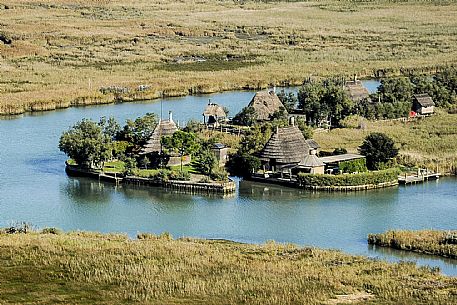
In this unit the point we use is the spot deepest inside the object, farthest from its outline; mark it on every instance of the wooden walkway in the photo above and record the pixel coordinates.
(418, 178)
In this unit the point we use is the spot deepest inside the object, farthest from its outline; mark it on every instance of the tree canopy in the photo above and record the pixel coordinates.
(86, 144)
(378, 149)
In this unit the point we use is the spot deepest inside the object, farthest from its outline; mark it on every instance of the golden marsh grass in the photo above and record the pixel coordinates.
(64, 50)
(90, 268)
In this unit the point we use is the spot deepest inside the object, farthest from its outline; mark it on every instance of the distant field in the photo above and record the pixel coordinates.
(54, 54)
(90, 268)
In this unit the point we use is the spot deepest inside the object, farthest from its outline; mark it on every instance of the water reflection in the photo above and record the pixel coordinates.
(447, 264)
(88, 191)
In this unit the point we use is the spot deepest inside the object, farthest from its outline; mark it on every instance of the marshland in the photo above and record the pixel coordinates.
(174, 56)
(91, 268)
(55, 54)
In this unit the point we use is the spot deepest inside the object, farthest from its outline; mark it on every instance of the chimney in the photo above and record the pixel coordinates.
(170, 116)
(292, 121)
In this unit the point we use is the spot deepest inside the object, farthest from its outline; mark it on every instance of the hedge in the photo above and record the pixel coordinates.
(368, 178)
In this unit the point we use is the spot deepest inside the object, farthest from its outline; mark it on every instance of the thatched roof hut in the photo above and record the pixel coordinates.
(214, 110)
(213, 113)
(312, 164)
(356, 91)
(266, 104)
(286, 146)
(423, 104)
(164, 128)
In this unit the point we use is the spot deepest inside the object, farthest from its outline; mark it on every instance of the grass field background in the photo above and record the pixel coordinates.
(63, 51)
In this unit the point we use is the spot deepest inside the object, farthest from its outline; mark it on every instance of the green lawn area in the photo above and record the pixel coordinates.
(119, 167)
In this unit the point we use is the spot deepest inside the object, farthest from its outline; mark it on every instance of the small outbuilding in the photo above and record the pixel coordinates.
(332, 163)
(423, 104)
(265, 104)
(214, 114)
(220, 151)
(311, 164)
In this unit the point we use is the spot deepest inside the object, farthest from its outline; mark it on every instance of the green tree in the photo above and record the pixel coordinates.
(206, 162)
(337, 103)
(309, 101)
(243, 164)
(378, 149)
(396, 90)
(110, 127)
(306, 130)
(184, 143)
(289, 100)
(246, 117)
(139, 131)
(86, 144)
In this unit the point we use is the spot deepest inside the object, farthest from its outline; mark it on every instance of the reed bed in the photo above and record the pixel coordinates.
(91, 268)
(441, 243)
(63, 50)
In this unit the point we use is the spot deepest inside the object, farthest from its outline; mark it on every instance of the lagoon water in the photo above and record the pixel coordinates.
(34, 188)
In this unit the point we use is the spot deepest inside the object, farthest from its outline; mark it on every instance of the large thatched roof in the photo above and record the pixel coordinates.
(164, 128)
(286, 146)
(356, 91)
(214, 110)
(265, 104)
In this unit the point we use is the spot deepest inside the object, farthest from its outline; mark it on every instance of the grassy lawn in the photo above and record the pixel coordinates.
(119, 167)
(91, 268)
(62, 52)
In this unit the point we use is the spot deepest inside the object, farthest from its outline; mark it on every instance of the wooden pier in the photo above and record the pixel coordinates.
(420, 177)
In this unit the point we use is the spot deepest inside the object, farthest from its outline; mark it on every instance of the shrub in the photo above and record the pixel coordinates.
(51, 231)
(179, 175)
(219, 174)
(378, 148)
(367, 178)
(353, 166)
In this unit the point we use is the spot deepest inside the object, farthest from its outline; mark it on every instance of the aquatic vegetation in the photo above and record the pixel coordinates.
(442, 243)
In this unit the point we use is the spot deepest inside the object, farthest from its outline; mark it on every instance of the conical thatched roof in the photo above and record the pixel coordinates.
(265, 104)
(286, 146)
(311, 161)
(214, 110)
(356, 91)
(164, 128)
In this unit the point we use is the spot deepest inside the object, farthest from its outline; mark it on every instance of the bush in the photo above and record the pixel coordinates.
(368, 178)
(51, 231)
(219, 174)
(353, 166)
(179, 175)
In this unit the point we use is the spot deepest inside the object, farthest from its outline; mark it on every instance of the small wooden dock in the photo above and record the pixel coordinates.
(420, 177)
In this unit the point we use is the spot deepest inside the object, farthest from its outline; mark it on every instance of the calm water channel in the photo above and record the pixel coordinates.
(34, 188)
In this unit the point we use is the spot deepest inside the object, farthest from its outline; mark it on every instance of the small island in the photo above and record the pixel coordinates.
(147, 151)
(270, 140)
(433, 242)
